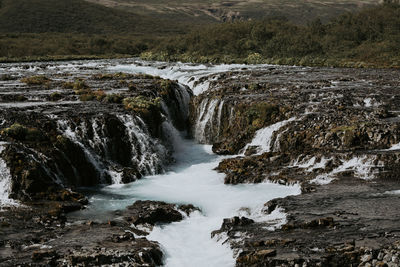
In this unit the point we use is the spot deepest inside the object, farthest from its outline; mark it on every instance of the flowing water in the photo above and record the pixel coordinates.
(192, 180)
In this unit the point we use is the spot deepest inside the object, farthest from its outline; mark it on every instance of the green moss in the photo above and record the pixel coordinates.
(16, 131)
(99, 94)
(141, 103)
(36, 80)
(113, 98)
(20, 132)
(260, 114)
(112, 76)
(87, 97)
(166, 86)
(55, 96)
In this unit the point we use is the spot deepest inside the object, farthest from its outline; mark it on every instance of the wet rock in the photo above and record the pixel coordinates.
(152, 212)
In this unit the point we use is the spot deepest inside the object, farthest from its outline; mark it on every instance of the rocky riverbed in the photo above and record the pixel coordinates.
(333, 132)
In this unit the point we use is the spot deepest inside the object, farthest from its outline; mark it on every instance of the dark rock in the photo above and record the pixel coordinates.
(152, 212)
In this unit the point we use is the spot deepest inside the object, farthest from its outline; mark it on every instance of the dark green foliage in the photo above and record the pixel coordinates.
(20, 132)
(370, 37)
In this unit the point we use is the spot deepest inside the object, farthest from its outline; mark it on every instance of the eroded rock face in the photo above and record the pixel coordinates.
(87, 128)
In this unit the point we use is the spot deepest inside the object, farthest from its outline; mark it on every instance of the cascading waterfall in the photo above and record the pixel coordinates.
(192, 180)
(147, 153)
(263, 137)
(99, 142)
(363, 168)
(210, 112)
(5, 181)
(68, 132)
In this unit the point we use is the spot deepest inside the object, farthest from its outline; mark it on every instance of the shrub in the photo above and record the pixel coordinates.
(20, 132)
(36, 80)
(141, 103)
(113, 98)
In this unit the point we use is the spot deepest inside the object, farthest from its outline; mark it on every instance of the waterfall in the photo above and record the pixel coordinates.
(99, 142)
(219, 116)
(263, 137)
(206, 119)
(363, 168)
(183, 100)
(5, 181)
(67, 131)
(147, 153)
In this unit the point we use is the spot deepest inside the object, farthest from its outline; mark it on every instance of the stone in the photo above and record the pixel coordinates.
(366, 258)
(152, 212)
(266, 253)
(380, 256)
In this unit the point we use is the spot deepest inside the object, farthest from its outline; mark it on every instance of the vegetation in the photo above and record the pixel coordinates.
(36, 80)
(260, 114)
(20, 132)
(368, 38)
(71, 29)
(141, 104)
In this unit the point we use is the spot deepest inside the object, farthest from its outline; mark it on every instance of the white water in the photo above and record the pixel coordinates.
(147, 153)
(187, 74)
(363, 168)
(263, 137)
(192, 180)
(206, 115)
(5, 182)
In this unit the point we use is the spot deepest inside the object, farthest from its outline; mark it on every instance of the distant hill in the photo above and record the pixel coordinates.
(67, 16)
(297, 11)
(156, 17)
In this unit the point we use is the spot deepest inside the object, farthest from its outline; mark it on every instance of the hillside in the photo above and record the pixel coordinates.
(68, 16)
(299, 12)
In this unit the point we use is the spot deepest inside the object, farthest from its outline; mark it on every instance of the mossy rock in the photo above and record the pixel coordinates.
(55, 96)
(113, 98)
(22, 133)
(112, 76)
(262, 113)
(36, 80)
(141, 103)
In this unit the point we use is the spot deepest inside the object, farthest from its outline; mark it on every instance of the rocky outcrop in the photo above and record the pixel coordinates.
(39, 236)
(334, 131)
(155, 212)
(86, 130)
(330, 122)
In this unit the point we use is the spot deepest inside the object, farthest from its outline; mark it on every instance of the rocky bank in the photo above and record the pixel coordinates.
(334, 131)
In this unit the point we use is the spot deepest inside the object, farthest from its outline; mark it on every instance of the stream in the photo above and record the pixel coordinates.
(191, 180)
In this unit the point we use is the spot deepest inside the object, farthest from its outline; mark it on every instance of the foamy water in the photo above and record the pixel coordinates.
(193, 180)
(184, 73)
